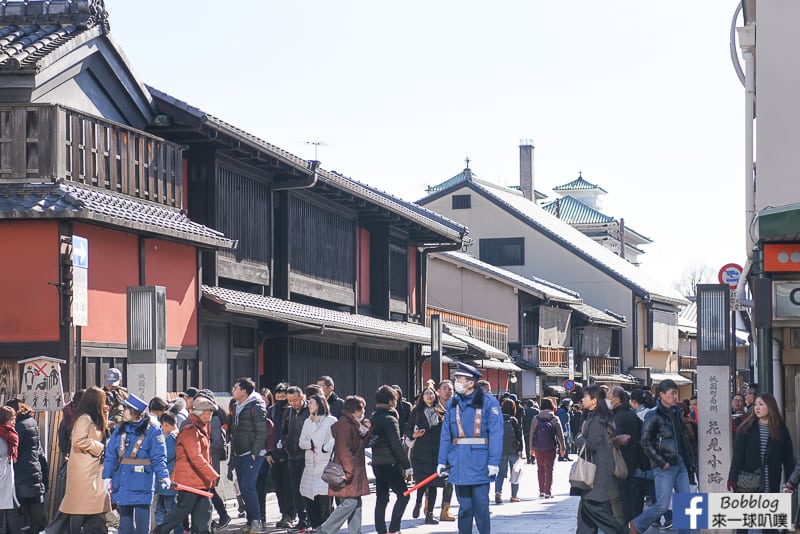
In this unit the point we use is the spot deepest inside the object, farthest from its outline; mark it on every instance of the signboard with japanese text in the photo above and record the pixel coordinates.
(80, 280)
(715, 444)
(40, 386)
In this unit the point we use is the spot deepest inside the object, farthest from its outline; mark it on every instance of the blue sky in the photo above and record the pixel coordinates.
(639, 96)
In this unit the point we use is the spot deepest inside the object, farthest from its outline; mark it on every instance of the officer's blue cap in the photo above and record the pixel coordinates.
(135, 403)
(468, 371)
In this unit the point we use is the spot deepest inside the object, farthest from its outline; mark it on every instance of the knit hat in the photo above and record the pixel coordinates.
(202, 404)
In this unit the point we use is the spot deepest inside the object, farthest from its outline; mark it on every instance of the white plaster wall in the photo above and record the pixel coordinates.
(462, 290)
(544, 258)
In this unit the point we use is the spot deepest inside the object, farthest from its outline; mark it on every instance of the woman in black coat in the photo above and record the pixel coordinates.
(423, 430)
(763, 445)
(30, 471)
(389, 462)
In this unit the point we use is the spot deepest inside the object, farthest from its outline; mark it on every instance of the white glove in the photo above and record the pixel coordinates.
(441, 470)
(166, 483)
(107, 485)
(493, 470)
(408, 473)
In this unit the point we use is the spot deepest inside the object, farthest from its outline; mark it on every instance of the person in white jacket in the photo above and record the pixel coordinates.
(317, 440)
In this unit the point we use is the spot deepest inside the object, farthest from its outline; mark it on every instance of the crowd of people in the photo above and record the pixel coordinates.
(163, 460)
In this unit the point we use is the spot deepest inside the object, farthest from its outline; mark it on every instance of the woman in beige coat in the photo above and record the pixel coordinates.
(86, 499)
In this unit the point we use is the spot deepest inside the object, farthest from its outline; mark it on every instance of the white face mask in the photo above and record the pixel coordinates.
(460, 388)
(608, 403)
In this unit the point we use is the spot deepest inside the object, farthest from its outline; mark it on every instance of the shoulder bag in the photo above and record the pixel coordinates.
(334, 475)
(582, 472)
(620, 467)
(750, 482)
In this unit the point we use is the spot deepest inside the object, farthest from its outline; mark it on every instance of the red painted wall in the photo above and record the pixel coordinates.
(174, 266)
(28, 262)
(363, 266)
(113, 266)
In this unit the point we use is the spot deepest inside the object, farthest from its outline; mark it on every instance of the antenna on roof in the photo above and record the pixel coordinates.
(317, 144)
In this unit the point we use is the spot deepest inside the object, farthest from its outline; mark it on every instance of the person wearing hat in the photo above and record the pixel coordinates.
(115, 396)
(136, 455)
(193, 469)
(470, 447)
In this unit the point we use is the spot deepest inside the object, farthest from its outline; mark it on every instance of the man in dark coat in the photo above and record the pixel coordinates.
(530, 412)
(248, 439)
(666, 444)
(293, 419)
(335, 402)
(628, 431)
(403, 406)
(279, 467)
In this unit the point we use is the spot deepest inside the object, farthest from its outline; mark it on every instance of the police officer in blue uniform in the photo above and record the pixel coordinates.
(136, 456)
(470, 447)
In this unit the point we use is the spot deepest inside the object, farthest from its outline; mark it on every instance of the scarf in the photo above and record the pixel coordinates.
(10, 436)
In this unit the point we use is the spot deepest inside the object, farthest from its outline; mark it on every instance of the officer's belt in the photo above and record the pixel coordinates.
(135, 461)
(470, 441)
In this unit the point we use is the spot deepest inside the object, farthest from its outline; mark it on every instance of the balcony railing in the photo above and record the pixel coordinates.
(546, 356)
(43, 142)
(687, 363)
(604, 366)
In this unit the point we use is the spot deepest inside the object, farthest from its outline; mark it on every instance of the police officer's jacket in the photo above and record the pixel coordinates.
(133, 476)
(469, 456)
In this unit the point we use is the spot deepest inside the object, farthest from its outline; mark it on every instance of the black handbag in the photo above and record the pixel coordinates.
(750, 482)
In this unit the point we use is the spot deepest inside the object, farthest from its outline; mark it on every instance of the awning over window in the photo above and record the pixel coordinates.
(556, 371)
(485, 364)
(615, 379)
(657, 378)
(304, 315)
(475, 346)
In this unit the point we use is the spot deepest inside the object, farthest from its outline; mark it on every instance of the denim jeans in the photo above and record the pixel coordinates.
(247, 475)
(506, 464)
(348, 510)
(675, 478)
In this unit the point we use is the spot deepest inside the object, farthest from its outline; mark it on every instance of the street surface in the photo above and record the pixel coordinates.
(530, 516)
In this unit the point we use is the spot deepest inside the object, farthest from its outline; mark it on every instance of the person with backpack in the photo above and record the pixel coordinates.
(531, 411)
(512, 450)
(546, 438)
(563, 414)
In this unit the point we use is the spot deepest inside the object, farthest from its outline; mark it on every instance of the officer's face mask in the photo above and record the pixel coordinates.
(460, 387)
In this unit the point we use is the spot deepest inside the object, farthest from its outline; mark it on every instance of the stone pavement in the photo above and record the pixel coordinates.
(531, 516)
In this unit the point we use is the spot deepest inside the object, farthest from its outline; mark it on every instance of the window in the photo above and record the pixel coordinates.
(462, 202)
(503, 251)
(398, 271)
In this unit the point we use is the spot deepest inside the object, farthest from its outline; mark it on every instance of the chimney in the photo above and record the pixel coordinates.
(526, 168)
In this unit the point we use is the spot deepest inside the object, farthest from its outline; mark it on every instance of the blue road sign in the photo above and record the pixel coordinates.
(80, 252)
(569, 385)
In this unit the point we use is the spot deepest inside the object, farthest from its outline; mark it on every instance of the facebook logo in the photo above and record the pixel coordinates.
(690, 510)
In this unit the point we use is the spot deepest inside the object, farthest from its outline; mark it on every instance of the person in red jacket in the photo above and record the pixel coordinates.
(193, 469)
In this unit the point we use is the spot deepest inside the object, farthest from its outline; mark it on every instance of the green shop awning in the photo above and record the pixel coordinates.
(779, 224)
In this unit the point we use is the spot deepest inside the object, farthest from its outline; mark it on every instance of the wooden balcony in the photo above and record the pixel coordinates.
(604, 366)
(687, 363)
(546, 356)
(44, 142)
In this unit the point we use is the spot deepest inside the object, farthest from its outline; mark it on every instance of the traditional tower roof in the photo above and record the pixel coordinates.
(579, 184)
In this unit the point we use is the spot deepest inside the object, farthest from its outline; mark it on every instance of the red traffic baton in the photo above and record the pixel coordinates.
(189, 489)
(420, 484)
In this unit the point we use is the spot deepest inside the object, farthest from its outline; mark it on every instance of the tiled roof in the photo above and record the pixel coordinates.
(544, 222)
(572, 211)
(66, 200)
(478, 346)
(538, 287)
(578, 184)
(596, 316)
(468, 176)
(422, 216)
(31, 30)
(304, 314)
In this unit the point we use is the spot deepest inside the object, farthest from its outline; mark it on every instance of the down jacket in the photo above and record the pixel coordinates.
(469, 464)
(29, 472)
(135, 484)
(386, 446)
(192, 457)
(317, 440)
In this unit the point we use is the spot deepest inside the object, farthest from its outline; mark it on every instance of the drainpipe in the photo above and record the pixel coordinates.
(310, 181)
(763, 334)
(747, 42)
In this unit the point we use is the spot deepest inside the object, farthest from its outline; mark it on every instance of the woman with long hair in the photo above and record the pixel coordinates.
(9, 449)
(423, 430)
(594, 510)
(763, 445)
(317, 440)
(30, 470)
(86, 499)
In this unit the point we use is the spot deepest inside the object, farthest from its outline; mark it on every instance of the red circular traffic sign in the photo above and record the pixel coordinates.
(569, 385)
(730, 274)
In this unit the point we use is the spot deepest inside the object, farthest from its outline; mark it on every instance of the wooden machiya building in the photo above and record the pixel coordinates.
(272, 266)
